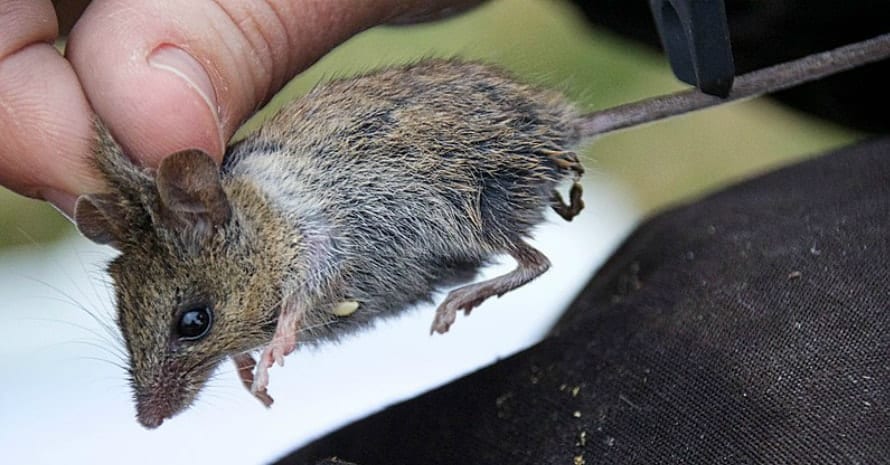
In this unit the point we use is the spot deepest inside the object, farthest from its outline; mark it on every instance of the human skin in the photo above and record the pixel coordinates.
(163, 75)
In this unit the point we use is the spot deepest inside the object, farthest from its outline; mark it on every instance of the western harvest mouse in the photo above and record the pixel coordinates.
(352, 203)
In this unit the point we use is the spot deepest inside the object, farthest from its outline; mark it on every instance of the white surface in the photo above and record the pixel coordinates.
(62, 402)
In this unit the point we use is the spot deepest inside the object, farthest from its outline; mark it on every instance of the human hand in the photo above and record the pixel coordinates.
(164, 75)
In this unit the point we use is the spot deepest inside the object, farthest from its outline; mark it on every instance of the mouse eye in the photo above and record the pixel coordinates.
(194, 323)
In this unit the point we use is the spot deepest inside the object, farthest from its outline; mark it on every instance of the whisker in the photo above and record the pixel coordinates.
(30, 238)
(203, 364)
(304, 329)
(112, 349)
(87, 329)
(69, 299)
(90, 274)
(120, 361)
(98, 359)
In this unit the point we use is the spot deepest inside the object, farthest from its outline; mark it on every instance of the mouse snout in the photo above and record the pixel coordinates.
(149, 421)
(159, 400)
(151, 411)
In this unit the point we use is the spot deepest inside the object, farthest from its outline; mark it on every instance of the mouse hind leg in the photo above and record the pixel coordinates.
(530, 263)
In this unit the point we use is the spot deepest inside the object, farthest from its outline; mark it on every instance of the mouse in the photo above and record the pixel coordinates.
(351, 204)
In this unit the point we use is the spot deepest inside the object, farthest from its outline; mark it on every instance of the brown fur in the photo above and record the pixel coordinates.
(376, 189)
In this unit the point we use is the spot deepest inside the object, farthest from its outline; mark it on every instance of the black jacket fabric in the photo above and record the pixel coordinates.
(750, 327)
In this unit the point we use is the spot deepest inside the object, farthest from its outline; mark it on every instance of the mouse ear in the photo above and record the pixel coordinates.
(98, 217)
(191, 193)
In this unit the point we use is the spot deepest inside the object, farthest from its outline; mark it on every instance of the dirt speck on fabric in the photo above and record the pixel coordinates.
(502, 403)
(582, 439)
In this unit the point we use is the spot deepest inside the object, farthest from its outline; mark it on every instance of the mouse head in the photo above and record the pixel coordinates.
(192, 286)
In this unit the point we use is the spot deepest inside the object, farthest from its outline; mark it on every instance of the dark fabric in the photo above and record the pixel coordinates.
(750, 327)
(767, 32)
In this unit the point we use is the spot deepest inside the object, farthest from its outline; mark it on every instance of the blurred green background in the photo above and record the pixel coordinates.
(548, 43)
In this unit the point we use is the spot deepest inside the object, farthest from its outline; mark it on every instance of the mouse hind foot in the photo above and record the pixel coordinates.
(575, 205)
(531, 263)
(566, 160)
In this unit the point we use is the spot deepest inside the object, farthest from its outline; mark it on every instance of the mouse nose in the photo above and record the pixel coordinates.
(155, 406)
(160, 394)
(149, 421)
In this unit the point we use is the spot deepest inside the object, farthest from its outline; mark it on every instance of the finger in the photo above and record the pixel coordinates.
(44, 116)
(170, 75)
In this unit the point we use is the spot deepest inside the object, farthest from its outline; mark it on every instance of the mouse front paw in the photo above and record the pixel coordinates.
(260, 383)
(282, 344)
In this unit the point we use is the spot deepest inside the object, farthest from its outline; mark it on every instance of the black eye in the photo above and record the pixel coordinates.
(194, 323)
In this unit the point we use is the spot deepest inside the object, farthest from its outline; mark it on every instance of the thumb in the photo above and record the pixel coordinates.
(170, 75)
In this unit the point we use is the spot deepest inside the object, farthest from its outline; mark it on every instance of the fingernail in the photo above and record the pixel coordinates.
(179, 62)
(63, 202)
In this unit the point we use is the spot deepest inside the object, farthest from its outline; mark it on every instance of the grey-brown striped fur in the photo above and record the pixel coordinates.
(377, 189)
